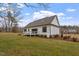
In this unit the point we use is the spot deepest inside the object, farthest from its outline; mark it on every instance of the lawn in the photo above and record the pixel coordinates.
(11, 44)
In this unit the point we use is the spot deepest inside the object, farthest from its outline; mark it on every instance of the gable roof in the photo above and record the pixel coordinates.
(43, 21)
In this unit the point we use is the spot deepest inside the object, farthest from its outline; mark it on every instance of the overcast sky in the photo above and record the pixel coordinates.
(68, 14)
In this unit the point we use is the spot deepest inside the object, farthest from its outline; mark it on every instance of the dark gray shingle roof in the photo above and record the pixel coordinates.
(43, 21)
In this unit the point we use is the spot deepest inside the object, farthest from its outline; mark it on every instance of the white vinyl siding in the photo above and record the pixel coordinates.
(55, 22)
(55, 30)
(51, 30)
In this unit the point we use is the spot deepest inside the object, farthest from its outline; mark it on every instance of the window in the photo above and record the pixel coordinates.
(25, 30)
(44, 29)
(34, 30)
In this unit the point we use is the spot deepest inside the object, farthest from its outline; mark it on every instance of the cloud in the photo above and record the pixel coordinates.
(24, 22)
(27, 14)
(67, 18)
(2, 8)
(39, 15)
(20, 5)
(60, 14)
(43, 13)
(6, 4)
(70, 10)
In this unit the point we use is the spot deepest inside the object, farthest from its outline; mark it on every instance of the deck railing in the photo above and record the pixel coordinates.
(31, 33)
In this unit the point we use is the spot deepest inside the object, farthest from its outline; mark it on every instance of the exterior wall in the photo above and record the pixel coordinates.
(51, 30)
(55, 30)
(39, 30)
(55, 22)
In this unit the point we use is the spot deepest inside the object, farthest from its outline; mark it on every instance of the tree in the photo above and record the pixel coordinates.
(10, 17)
(11, 13)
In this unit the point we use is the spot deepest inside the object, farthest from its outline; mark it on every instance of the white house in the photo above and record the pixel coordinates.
(47, 26)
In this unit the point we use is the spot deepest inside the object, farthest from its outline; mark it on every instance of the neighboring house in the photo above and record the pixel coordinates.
(69, 29)
(47, 26)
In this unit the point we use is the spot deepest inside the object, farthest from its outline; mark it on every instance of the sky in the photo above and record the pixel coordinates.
(68, 13)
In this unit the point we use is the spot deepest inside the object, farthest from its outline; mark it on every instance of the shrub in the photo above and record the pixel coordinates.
(56, 36)
(74, 39)
(61, 35)
(66, 37)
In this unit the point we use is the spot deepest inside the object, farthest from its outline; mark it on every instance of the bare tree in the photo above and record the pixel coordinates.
(10, 15)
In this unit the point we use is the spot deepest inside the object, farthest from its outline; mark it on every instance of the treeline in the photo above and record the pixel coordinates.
(14, 29)
(69, 29)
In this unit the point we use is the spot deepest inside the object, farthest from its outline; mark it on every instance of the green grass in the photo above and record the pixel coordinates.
(12, 44)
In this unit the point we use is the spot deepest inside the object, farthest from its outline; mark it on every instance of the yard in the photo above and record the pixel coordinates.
(13, 44)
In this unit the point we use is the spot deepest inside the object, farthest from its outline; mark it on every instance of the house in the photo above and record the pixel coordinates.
(47, 26)
(69, 29)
